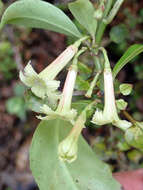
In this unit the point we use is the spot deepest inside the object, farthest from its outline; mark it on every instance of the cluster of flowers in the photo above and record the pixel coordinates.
(44, 85)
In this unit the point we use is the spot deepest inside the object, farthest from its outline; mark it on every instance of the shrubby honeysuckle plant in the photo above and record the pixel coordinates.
(59, 157)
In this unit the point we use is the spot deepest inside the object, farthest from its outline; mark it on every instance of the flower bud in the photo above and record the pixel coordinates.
(67, 149)
(98, 14)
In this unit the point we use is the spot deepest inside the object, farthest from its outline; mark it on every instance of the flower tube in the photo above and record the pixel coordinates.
(109, 114)
(43, 84)
(63, 110)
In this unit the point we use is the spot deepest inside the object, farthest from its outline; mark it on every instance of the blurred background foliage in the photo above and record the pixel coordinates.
(17, 122)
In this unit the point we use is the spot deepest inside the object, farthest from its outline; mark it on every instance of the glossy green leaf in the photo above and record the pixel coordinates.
(86, 172)
(131, 52)
(83, 11)
(39, 14)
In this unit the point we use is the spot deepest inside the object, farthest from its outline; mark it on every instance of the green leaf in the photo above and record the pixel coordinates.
(118, 33)
(16, 106)
(84, 68)
(123, 146)
(134, 155)
(81, 84)
(86, 172)
(80, 105)
(19, 89)
(134, 137)
(126, 89)
(39, 14)
(131, 52)
(1, 6)
(83, 11)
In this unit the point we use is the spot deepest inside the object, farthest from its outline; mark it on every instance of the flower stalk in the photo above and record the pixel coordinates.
(92, 85)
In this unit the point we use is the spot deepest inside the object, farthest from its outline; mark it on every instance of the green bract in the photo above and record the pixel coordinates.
(126, 89)
(121, 104)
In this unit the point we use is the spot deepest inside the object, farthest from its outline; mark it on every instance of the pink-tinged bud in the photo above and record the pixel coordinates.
(65, 102)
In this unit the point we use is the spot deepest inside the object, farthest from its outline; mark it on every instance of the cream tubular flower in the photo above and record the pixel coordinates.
(109, 114)
(63, 110)
(43, 84)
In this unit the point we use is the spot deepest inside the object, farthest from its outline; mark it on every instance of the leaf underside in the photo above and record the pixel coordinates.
(86, 173)
(39, 14)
